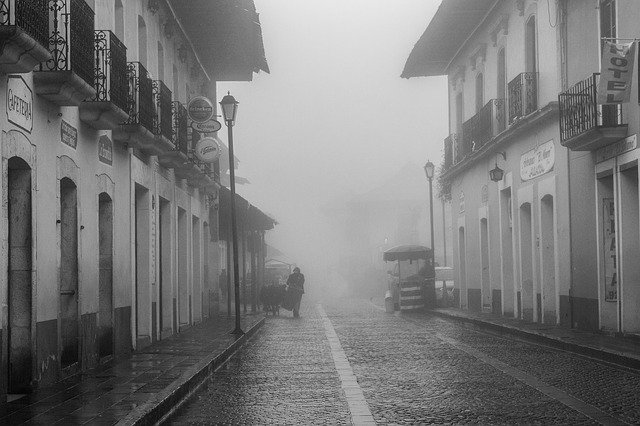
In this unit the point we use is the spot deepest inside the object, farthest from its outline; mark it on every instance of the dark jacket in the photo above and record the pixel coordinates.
(296, 280)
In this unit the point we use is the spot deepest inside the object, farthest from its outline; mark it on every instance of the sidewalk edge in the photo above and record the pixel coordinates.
(614, 357)
(172, 397)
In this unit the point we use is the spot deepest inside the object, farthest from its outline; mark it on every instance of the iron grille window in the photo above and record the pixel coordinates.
(523, 95)
(111, 69)
(71, 39)
(448, 152)
(140, 97)
(162, 124)
(179, 127)
(31, 16)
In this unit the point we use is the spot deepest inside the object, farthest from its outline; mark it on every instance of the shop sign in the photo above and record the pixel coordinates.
(68, 134)
(206, 127)
(614, 86)
(207, 150)
(19, 103)
(625, 145)
(609, 250)
(200, 109)
(461, 198)
(105, 150)
(538, 161)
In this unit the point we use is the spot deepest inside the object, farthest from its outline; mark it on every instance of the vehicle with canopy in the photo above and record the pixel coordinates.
(412, 280)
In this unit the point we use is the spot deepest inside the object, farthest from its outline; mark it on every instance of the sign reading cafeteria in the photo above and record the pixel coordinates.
(200, 109)
(538, 161)
(19, 103)
(207, 150)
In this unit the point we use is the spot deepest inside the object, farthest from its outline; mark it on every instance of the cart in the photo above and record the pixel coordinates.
(411, 283)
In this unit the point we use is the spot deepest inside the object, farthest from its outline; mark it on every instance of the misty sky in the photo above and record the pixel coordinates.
(333, 117)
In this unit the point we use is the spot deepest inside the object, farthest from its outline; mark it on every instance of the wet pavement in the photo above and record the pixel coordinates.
(126, 391)
(349, 362)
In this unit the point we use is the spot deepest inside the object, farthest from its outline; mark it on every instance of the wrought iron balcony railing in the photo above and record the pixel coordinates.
(111, 70)
(483, 126)
(579, 111)
(140, 97)
(179, 126)
(31, 16)
(162, 117)
(523, 95)
(448, 151)
(71, 38)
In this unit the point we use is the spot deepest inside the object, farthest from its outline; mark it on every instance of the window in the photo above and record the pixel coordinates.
(479, 92)
(502, 75)
(119, 20)
(530, 46)
(608, 27)
(176, 87)
(459, 113)
(160, 62)
(142, 41)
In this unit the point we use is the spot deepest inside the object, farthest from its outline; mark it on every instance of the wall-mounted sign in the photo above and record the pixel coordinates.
(609, 250)
(200, 109)
(485, 194)
(625, 145)
(105, 150)
(19, 103)
(207, 150)
(538, 161)
(68, 134)
(206, 127)
(616, 71)
(461, 198)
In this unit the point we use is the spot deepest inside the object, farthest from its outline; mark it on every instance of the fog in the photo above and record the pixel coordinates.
(333, 121)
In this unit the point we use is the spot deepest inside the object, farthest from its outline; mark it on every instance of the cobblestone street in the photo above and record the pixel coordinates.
(410, 369)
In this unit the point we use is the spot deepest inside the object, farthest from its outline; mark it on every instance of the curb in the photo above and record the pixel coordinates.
(173, 396)
(611, 356)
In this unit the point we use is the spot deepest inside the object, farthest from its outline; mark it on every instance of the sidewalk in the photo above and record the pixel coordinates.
(140, 389)
(619, 350)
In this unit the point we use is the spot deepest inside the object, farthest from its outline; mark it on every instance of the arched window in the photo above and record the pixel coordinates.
(118, 12)
(176, 86)
(531, 64)
(160, 62)
(608, 26)
(501, 83)
(479, 92)
(142, 41)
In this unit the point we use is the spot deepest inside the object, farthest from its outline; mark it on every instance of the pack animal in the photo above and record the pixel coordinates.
(271, 297)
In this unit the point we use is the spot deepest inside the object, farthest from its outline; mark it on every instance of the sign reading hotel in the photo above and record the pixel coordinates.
(105, 150)
(19, 103)
(538, 161)
(616, 71)
(68, 134)
(625, 145)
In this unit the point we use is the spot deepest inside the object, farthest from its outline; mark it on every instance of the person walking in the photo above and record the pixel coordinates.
(296, 283)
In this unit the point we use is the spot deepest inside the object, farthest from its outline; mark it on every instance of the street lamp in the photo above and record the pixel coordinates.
(229, 110)
(429, 170)
(496, 174)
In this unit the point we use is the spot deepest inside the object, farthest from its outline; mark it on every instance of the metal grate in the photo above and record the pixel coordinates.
(140, 99)
(523, 95)
(179, 127)
(162, 123)
(111, 69)
(31, 16)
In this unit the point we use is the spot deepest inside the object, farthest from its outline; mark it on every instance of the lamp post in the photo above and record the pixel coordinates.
(429, 170)
(229, 110)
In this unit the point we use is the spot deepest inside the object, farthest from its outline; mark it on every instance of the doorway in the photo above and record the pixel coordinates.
(525, 299)
(19, 276)
(196, 292)
(183, 277)
(142, 273)
(164, 276)
(69, 333)
(462, 255)
(548, 304)
(206, 271)
(105, 277)
(484, 257)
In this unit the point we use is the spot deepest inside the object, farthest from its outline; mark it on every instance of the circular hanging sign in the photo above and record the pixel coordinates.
(206, 127)
(207, 150)
(200, 109)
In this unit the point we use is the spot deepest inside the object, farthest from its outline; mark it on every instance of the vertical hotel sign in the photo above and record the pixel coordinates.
(19, 103)
(616, 71)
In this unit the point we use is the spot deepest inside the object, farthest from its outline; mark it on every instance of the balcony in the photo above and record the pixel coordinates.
(483, 126)
(23, 34)
(585, 125)
(523, 95)
(161, 121)
(108, 108)
(190, 169)
(448, 151)
(137, 130)
(68, 78)
(177, 156)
